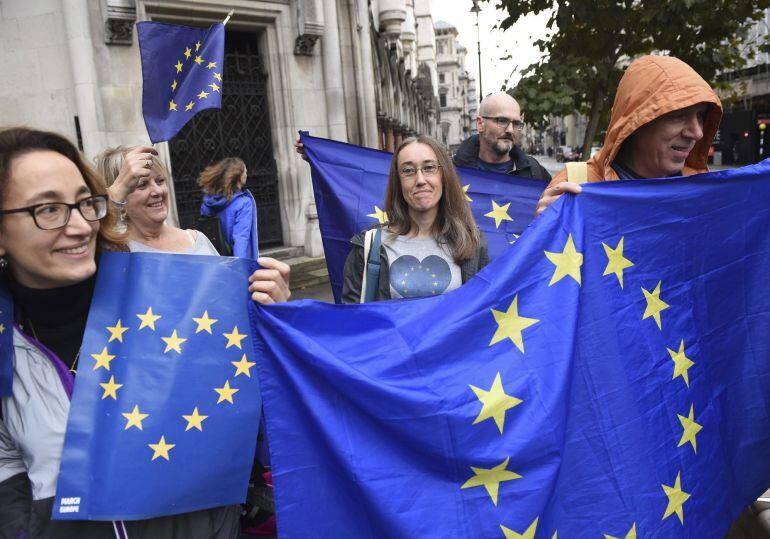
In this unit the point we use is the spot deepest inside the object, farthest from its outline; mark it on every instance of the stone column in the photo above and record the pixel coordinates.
(399, 138)
(88, 100)
(366, 88)
(332, 69)
(389, 137)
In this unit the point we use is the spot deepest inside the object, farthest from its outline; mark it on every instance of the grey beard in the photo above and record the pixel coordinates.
(503, 147)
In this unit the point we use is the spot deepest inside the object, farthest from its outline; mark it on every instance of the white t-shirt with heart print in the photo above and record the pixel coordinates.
(419, 267)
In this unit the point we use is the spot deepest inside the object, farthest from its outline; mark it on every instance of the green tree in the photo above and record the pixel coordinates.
(591, 41)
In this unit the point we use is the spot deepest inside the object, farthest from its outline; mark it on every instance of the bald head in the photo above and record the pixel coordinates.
(495, 123)
(493, 104)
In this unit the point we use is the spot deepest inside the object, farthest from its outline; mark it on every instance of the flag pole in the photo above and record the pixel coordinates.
(228, 17)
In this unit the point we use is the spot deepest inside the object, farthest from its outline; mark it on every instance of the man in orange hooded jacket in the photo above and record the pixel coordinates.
(663, 121)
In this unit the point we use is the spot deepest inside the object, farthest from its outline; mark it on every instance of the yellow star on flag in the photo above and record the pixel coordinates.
(111, 388)
(194, 420)
(510, 325)
(567, 262)
(378, 214)
(198, 60)
(226, 393)
(173, 85)
(116, 332)
(491, 478)
(205, 323)
(529, 533)
(2, 329)
(676, 498)
(171, 105)
(178, 66)
(212, 65)
(187, 53)
(197, 46)
(174, 342)
(203, 95)
(134, 418)
(690, 429)
(682, 363)
(190, 105)
(214, 87)
(103, 359)
(465, 192)
(494, 403)
(243, 366)
(654, 304)
(148, 319)
(630, 535)
(218, 77)
(161, 449)
(616, 262)
(499, 213)
(234, 338)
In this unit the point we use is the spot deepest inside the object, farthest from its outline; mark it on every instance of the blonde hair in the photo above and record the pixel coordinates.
(110, 161)
(223, 177)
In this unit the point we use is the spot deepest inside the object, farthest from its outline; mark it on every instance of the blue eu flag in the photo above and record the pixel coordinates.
(606, 376)
(6, 342)
(349, 185)
(166, 405)
(182, 74)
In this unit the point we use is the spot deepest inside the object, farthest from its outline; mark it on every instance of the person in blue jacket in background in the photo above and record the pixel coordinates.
(223, 186)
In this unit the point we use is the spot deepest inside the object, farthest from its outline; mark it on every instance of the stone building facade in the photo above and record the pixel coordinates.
(362, 71)
(456, 88)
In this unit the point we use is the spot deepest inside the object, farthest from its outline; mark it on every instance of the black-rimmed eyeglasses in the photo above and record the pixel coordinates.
(503, 122)
(52, 215)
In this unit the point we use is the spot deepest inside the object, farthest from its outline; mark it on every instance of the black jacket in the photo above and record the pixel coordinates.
(354, 269)
(526, 165)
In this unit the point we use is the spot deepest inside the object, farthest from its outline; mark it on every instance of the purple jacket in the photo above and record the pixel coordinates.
(238, 217)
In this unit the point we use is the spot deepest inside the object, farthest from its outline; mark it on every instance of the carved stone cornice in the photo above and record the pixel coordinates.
(119, 18)
(310, 26)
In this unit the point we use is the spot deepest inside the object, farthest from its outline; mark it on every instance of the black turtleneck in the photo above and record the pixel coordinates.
(55, 317)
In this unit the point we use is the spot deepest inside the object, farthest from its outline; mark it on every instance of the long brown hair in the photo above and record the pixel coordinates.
(223, 177)
(17, 141)
(454, 224)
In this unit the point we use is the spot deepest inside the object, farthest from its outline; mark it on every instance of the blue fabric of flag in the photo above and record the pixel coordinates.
(607, 374)
(6, 342)
(166, 405)
(181, 72)
(349, 184)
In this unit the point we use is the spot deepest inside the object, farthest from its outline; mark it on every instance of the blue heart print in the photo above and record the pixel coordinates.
(413, 278)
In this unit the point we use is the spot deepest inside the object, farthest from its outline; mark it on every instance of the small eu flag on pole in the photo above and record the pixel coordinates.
(182, 74)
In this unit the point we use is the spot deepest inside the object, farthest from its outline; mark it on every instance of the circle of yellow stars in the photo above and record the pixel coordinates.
(148, 320)
(214, 86)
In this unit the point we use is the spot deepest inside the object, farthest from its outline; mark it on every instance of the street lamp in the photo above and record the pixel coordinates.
(477, 9)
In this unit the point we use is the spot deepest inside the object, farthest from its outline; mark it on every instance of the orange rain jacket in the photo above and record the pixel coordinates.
(651, 87)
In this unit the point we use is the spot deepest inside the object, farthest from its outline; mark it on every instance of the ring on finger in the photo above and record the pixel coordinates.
(147, 163)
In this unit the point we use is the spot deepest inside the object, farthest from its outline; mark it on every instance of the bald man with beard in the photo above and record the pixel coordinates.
(496, 147)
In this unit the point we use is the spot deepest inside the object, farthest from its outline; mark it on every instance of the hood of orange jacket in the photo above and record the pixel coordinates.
(651, 87)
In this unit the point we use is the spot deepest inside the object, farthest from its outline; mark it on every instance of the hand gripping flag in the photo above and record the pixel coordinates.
(607, 376)
(182, 74)
(349, 185)
(166, 405)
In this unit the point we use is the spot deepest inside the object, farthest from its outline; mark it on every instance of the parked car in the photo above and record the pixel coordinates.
(567, 153)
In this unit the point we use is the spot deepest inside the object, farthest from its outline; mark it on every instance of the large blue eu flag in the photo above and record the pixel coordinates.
(607, 376)
(166, 406)
(181, 72)
(349, 185)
